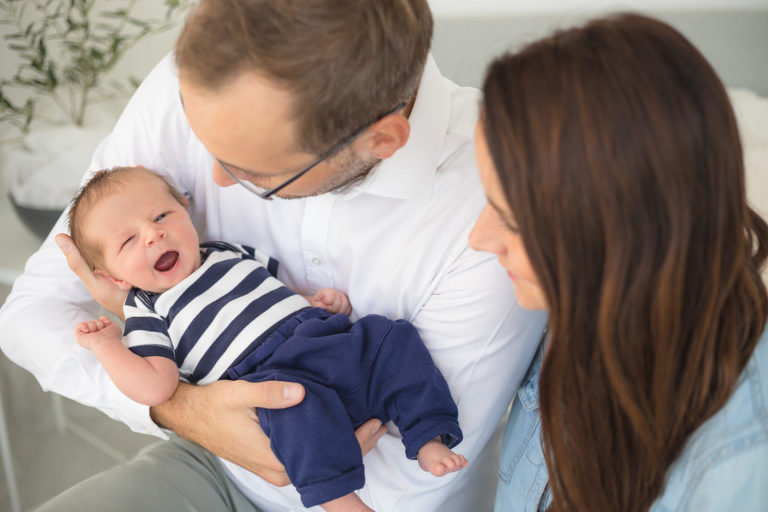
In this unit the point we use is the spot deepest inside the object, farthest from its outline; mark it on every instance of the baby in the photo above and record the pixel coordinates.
(203, 312)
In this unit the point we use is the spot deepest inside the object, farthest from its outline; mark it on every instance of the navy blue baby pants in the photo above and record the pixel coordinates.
(374, 368)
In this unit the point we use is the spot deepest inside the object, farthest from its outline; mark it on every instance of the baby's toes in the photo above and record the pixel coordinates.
(439, 469)
(454, 462)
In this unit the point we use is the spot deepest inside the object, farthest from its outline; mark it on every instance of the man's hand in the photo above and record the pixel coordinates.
(221, 418)
(102, 289)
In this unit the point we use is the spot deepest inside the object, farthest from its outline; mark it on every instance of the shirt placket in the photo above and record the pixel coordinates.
(314, 241)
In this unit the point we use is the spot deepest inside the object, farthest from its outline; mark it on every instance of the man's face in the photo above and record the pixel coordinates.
(248, 126)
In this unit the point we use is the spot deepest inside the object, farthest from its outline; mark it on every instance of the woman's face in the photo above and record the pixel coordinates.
(496, 231)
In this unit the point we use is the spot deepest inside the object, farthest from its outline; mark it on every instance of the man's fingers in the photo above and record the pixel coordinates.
(268, 394)
(369, 433)
(75, 261)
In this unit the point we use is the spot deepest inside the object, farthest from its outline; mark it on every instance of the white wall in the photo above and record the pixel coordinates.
(486, 7)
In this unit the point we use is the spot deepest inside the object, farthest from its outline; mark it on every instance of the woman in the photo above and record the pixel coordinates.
(616, 200)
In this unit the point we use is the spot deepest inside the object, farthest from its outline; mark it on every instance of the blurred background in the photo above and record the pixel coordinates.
(47, 443)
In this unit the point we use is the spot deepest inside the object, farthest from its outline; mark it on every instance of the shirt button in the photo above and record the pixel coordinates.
(317, 262)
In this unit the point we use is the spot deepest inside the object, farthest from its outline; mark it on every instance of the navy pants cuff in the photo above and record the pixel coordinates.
(327, 490)
(448, 431)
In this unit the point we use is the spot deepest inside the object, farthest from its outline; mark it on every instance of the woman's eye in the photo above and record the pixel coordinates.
(510, 227)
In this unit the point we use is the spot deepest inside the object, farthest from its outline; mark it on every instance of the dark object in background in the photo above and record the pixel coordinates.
(38, 220)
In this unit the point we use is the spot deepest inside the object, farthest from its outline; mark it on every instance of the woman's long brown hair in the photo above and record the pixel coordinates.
(620, 158)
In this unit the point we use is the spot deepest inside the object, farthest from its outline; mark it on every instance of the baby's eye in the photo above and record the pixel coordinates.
(127, 240)
(160, 217)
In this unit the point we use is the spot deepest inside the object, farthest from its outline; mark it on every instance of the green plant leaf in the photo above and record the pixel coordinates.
(64, 50)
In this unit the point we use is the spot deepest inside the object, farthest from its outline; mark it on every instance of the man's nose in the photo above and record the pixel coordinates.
(220, 176)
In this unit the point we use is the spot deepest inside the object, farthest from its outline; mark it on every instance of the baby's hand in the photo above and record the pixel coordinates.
(94, 332)
(332, 300)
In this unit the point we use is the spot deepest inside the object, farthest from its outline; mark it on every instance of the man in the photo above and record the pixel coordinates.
(334, 110)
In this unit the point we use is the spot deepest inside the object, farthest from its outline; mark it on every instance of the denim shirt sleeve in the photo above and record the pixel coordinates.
(724, 465)
(522, 483)
(729, 487)
(738, 483)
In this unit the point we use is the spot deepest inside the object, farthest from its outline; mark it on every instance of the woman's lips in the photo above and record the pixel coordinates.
(167, 261)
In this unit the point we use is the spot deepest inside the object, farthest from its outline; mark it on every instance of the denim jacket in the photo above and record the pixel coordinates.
(723, 466)
(523, 481)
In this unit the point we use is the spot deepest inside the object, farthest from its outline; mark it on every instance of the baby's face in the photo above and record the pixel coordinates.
(145, 235)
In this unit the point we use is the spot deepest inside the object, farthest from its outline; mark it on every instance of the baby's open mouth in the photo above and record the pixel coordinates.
(167, 261)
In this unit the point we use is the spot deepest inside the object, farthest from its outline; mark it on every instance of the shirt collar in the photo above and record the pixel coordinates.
(410, 172)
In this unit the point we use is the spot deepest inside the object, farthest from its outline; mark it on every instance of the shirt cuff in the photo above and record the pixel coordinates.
(134, 414)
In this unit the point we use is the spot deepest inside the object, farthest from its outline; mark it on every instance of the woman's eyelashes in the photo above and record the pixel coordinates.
(510, 227)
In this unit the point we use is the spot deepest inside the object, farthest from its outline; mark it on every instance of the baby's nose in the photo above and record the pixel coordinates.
(153, 236)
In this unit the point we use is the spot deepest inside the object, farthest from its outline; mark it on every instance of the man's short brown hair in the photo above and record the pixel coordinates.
(99, 185)
(345, 62)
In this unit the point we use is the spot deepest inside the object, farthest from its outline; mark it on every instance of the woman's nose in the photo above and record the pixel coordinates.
(482, 237)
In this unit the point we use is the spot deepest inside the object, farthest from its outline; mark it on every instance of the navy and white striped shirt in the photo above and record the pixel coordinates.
(215, 316)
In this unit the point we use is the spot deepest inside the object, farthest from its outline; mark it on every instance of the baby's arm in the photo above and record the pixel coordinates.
(147, 380)
(332, 300)
(348, 503)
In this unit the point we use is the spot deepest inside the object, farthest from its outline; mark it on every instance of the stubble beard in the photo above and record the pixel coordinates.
(351, 170)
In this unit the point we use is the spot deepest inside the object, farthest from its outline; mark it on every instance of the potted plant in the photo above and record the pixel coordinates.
(54, 101)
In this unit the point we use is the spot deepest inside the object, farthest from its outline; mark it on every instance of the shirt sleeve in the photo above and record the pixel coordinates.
(736, 483)
(262, 257)
(48, 300)
(145, 331)
(37, 325)
(247, 252)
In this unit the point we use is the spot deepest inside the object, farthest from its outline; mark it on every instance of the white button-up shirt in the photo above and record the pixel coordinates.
(395, 243)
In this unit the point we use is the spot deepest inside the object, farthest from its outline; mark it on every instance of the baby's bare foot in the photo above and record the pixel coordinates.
(436, 458)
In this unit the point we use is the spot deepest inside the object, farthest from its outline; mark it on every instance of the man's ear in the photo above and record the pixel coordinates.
(386, 136)
(123, 285)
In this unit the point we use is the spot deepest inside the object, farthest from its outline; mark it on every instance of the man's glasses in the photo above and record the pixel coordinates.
(267, 194)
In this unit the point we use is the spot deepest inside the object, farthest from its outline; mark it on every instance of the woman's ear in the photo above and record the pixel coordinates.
(386, 136)
(123, 285)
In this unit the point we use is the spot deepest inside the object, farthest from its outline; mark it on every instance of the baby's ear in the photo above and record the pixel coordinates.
(123, 285)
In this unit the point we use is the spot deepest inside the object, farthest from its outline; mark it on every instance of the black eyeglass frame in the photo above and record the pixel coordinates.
(267, 194)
